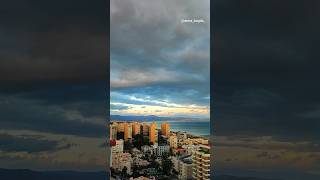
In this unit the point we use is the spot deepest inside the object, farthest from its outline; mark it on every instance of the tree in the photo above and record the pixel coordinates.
(135, 171)
(154, 165)
(138, 141)
(167, 164)
(124, 173)
(127, 146)
(120, 135)
(146, 141)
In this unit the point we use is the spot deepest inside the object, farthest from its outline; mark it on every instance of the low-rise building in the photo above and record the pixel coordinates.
(140, 162)
(182, 136)
(173, 141)
(121, 160)
(116, 147)
(190, 149)
(185, 169)
(161, 149)
(142, 178)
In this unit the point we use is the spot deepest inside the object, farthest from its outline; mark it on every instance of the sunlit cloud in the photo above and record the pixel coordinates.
(177, 110)
(72, 152)
(265, 152)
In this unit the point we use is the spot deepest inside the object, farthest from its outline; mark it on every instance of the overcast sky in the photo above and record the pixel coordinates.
(159, 65)
(266, 90)
(53, 79)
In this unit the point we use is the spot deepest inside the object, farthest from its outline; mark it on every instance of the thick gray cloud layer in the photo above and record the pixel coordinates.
(29, 144)
(53, 40)
(33, 114)
(266, 68)
(153, 54)
(148, 37)
(266, 90)
(53, 72)
(53, 65)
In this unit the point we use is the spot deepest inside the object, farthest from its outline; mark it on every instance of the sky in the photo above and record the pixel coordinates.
(266, 90)
(265, 78)
(159, 65)
(53, 76)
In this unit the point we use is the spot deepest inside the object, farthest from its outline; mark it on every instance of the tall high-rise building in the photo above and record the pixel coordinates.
(165, 129)
(120, 127)
(145, 129)
(135, 128)
(153, 133)
(113, 130)
(173, 141)
(127, 131)
(201, 163)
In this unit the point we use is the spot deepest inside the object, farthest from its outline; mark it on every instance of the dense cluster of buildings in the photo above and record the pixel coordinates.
(135, 146)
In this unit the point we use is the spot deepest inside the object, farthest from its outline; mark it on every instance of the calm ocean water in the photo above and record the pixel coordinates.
(196, 128)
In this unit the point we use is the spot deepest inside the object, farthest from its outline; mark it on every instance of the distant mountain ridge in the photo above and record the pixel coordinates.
(153, 118)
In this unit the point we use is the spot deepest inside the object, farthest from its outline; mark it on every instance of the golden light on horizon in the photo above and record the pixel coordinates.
(134, 109)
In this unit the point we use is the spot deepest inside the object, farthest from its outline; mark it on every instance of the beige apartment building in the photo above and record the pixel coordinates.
(201, 163)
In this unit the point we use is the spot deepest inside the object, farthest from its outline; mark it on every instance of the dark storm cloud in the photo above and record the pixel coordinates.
(53, 58)
(53, 71)
(266, 68)
(265, 74)
(10, 143)
(69, 95)
(31, 114)
(53, 40)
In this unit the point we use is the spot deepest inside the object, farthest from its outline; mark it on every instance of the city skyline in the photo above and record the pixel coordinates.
(151, 151)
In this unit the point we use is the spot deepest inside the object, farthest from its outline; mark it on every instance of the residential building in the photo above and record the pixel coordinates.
(185, 169)
(113, 130)
(145, 129)
(173, 142)
(116, 147)
(190, 149)
(135, 128)
(181, 136)
(127, 131)
(120, 127)
(201, 163)
(165, 129)
(161, 149)
(153, 133)
(121, 160)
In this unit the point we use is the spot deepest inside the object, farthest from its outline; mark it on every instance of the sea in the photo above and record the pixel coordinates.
(201, 128)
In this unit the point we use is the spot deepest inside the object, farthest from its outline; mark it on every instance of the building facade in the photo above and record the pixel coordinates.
(153, 133)
(201, 163)
(173, 141)
(161, 149)
(165, 129)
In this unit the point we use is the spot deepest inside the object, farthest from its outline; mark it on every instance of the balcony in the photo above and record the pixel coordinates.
(205, 160)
